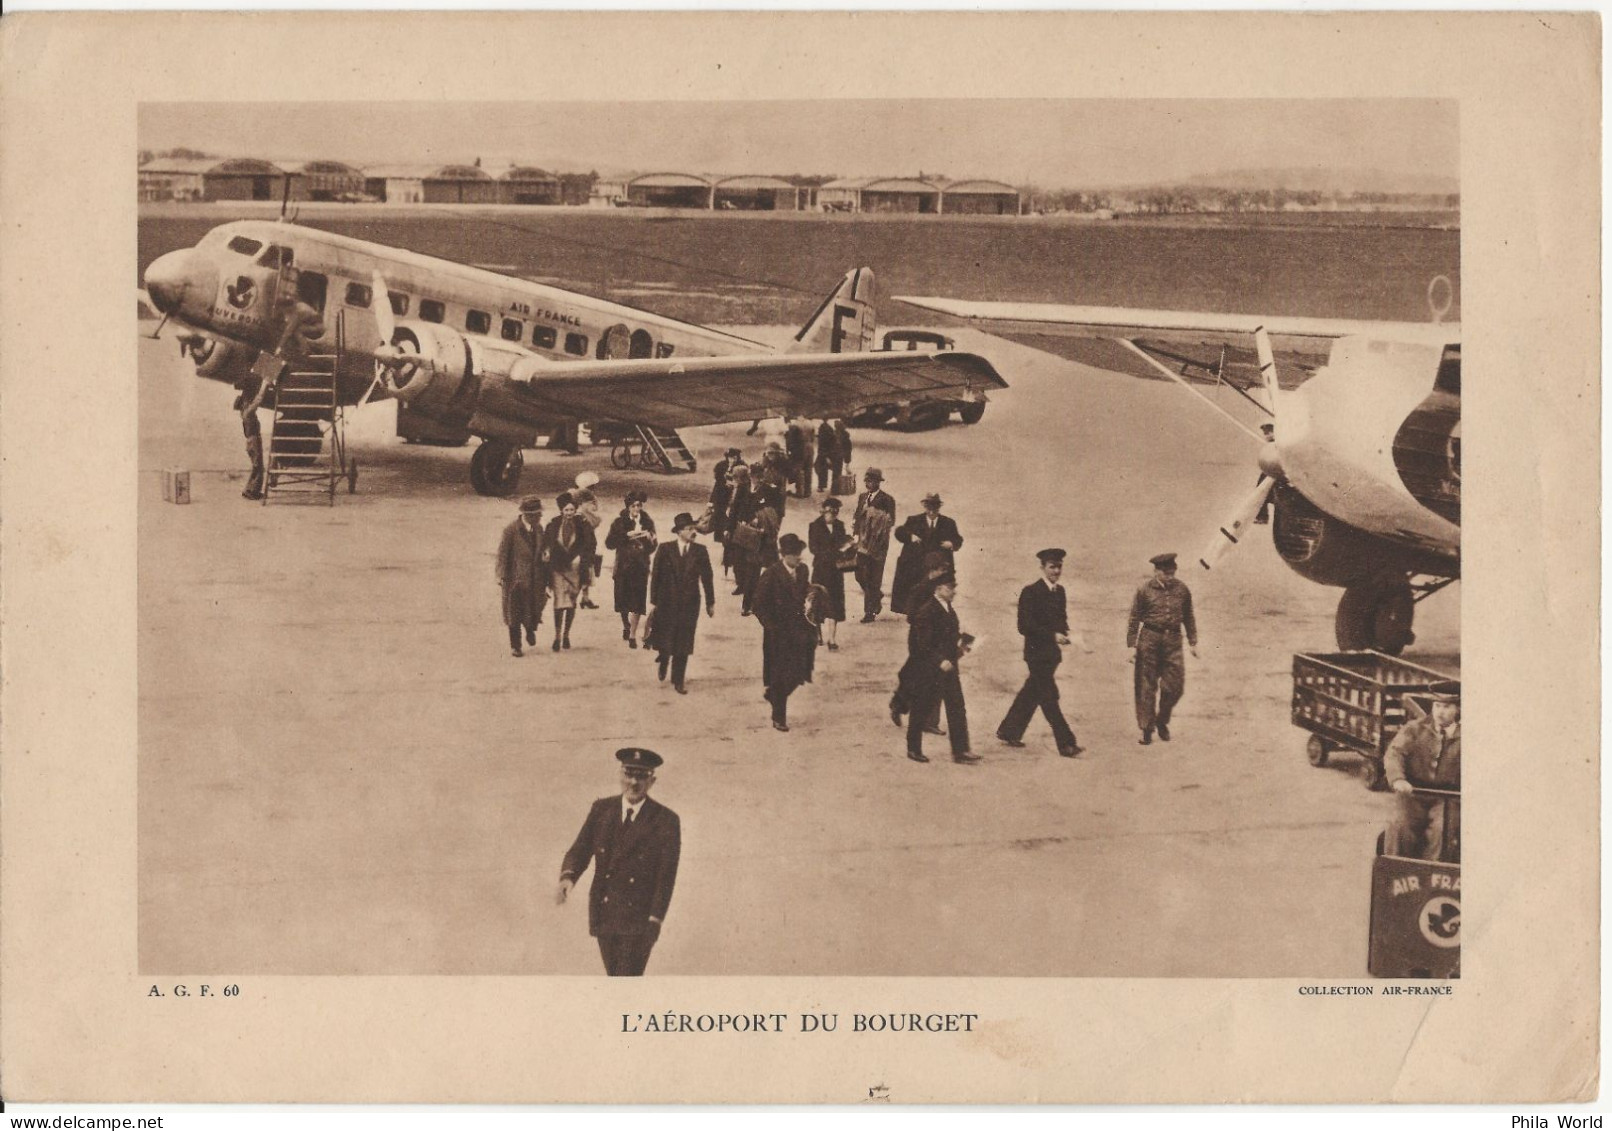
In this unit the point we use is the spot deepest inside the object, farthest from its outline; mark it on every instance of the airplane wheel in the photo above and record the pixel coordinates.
(495, 469)
(972, 413)
(1317, 750)
(620, 455)
(1376, 614)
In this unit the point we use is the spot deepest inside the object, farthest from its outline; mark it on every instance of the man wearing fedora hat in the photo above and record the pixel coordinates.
(522, 576)
(923, 537)
(1044, 624)
(682, 568)
(633, 843)
(1161, 609)
(1425, 754)
(875, 515)
(935, 648)
(788, 639)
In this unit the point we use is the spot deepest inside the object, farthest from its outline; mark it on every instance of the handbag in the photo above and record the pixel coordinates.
(706, 521)
(746, 537)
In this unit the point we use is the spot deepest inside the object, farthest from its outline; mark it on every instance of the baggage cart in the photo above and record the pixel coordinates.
(1357, 701)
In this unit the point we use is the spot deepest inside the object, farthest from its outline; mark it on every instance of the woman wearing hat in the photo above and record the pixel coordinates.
(764, 519)
(826, 539)
(588, 508)
(568, 548)
(632, 537)
(722, 491)
(522, 576)
(740, 506)
(921, 537)
(788, 640)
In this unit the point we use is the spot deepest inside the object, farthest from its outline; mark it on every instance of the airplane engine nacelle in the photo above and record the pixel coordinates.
(219, 360)
(1329, 552)
(437, 364)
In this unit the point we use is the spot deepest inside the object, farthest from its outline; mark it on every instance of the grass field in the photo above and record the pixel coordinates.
(770, 268)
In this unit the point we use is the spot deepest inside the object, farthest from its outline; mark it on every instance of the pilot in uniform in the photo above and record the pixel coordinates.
(1160, 611)
(1044, 624)
(633, 843)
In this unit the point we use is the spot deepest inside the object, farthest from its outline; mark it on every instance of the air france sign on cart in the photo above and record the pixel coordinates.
(1415, 929)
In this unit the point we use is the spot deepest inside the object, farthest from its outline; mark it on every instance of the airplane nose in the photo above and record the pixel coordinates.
(168, 278)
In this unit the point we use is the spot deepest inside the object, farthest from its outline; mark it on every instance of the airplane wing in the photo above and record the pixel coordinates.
(1200, 346)
(672, 393)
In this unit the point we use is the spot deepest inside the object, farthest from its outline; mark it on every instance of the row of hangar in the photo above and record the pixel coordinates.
(247, 178)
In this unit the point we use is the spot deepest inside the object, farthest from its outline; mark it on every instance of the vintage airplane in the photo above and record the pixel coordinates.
(1361, 460)
(469, 352)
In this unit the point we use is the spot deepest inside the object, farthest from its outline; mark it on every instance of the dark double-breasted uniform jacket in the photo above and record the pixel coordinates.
(918, 540)
(675, 582)
(1043, 616)
(634, 866)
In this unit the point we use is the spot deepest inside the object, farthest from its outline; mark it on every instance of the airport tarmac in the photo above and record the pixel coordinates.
(344, 771)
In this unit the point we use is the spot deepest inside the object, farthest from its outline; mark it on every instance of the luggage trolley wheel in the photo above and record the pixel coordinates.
(1318, 749)
(352, 477)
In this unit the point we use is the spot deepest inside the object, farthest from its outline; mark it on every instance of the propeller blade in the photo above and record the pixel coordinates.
(1267, 366)
(1231, 533)
(382, 303)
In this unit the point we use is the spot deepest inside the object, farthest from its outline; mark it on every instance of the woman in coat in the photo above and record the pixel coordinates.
(632, 537)
(825, 537)
(522, 577)
(568, 548)
(588, 508)
(764, 520)
(740, 506)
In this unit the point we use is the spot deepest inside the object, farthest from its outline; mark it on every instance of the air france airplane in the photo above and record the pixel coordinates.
(469, 352)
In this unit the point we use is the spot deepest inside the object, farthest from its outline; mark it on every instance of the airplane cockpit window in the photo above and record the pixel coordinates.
(512, 330)
(276, 257)
(478, 321)
(432, 311)
(357, 294)
(577, 344)
(400, 302)
(1449, 371)
(543, 337)
(245, 245)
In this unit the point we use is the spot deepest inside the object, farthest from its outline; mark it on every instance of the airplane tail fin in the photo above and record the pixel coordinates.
(845, 322)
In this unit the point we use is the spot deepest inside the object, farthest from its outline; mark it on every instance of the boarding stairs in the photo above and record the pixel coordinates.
(307, 454)
(667, 447)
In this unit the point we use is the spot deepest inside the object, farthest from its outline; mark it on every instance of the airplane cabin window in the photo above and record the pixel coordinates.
(400, 302)
(357, 294)
(478, 321)
(432, 311)
(664, 349)
(311, 289)
(245, 245)
(642, 345)
(543, 337)
(512, 330)
(577, 344)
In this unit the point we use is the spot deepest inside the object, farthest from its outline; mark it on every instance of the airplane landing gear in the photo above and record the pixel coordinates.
(495, 468)
(1377, 614)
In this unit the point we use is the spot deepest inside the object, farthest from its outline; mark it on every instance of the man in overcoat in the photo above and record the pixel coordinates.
(682, 568)
(875, 515)
(788, 639)
(922, 537)
(633, 843)
(934, 651)
(1044, 624)
(522, 576)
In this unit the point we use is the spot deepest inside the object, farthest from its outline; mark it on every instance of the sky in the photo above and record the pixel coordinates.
(1050, 143)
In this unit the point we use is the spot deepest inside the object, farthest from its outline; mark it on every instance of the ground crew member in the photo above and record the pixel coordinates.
(633, 843)
(1044, 624)
(1426, 754)
(249, 397)
(1161, 609)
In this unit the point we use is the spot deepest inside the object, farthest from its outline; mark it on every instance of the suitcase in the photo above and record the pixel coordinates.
(845, 483)
(745, 537)
(175, 486)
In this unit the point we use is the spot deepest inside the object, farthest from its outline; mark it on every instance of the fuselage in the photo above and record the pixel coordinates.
(225, 287)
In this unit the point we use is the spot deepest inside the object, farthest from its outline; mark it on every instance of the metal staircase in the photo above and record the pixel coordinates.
(307, 453)
(667, 448)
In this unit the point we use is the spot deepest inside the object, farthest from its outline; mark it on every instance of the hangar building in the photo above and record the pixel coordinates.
(527, 185)
(755, 194)
(669, 190)
(460, 184)
(324, 180)
(979, 198)
(879, 194)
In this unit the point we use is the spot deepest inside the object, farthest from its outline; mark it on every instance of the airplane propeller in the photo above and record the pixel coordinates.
(394, 359)
(1231, 531)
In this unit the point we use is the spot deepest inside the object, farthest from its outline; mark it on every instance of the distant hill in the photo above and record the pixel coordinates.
(1325, 181)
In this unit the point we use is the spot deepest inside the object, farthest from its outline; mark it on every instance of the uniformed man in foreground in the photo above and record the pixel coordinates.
(1426, 754)
(1160, 612)
(633, 843)
(1044, 624)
